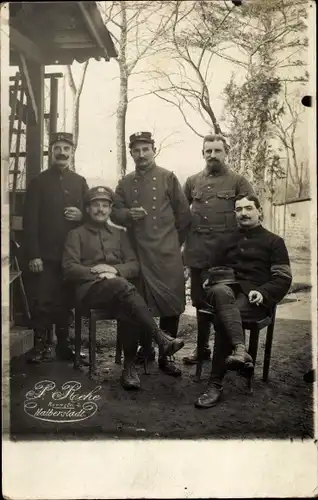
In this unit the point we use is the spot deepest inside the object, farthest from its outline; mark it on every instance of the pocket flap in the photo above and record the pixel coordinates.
(226, 194)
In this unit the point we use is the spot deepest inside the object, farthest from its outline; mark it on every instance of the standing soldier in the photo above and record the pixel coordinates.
(150, 203)
(211, 194)
(53, 206)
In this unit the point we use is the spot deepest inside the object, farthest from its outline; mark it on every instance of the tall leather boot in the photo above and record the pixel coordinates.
(36, 354)
(203, 325)
(129, 378)
(230, 318)
(62, 349)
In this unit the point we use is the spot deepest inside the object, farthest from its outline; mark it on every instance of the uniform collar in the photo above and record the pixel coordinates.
(57, 171)
(251, 230)
(142, 173)
(206, 172)
(95, 229)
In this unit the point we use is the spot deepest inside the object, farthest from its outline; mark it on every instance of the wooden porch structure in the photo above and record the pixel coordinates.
(41, 34)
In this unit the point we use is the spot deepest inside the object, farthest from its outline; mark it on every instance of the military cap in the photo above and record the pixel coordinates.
(140, 136)
(220, 275)
(61, 136)
(99, 193)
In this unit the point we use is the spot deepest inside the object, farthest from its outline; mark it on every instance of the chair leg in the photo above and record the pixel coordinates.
(204, 325)
(78, 339)
(119, 346)
(268, 350)
(92, 345)
(253, 344)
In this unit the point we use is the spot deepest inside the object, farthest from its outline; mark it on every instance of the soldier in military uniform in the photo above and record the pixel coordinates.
(256, 276)
(211, 194)
(150, 203)
(53, 206)
(99, 260)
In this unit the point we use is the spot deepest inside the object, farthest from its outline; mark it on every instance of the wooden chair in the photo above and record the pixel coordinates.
(93, 316)
(254, 328)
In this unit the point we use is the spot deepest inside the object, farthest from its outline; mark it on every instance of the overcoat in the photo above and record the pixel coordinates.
(44, 225)
(156, 238)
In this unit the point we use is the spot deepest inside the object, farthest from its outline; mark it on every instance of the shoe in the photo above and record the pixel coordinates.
(141, 354)
(36, 355)
(48, 353)
(310, 376)
(168, 345)
(210, 397)
(239, 358)
(169, 367)
(129, 378)
(193, 358)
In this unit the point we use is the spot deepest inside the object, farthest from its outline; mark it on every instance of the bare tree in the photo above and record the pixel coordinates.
(76, 92)
(138, 30)
(285, 128)
(270, 33)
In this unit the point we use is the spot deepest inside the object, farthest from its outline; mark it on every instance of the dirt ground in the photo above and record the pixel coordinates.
(164, 407)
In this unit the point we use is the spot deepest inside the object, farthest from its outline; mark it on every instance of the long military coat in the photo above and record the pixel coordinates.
(158, 236)
(44, 225)
(212, 200)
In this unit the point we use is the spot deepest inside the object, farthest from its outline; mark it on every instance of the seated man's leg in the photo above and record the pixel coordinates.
(125, 303)
(223, 299)
(129, 335)
(222, 349)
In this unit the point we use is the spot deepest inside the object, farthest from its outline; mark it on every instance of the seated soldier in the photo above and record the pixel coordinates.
(261, 271)
(99, 260)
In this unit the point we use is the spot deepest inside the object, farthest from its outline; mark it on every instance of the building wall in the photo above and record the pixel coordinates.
(297, 224)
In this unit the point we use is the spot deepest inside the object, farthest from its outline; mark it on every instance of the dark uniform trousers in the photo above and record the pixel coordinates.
(124, 303)
(50, 297)
(198, 300)
(231, 306)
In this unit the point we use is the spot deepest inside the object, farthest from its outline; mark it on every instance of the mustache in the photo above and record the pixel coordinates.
(62, 157)
(244, 217)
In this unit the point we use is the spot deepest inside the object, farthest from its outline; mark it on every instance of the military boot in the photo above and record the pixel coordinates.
(62, 349)
(129, 377)
(168, 346)
(204, 326)
(36, 354)
(239, 358)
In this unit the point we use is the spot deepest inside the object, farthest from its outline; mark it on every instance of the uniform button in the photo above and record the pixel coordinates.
(154, 178)
(154, 218)
(206, 202)
(135, 191)
(242, 249)
(154, 198)
(154, 189)
(135, 180)
(205, 218)
(135, 201)
(154, 208)
(155, 227)
(209, 187)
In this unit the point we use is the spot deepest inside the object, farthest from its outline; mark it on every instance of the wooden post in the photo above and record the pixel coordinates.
(35, 131)
(53, 104)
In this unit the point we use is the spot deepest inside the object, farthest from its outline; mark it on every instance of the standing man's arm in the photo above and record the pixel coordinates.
(180, 207)
(120, 214)
(188, 190)
(243, 187)
(31, 226)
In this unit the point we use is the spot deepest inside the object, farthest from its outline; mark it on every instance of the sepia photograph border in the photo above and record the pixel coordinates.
(206, 468)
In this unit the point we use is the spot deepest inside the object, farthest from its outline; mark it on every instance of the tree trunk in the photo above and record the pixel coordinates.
(77, 92)
(121, 125)
(123, 95)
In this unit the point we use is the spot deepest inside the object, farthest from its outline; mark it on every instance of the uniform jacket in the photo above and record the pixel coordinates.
(260, 261)
(156, 238)
(89, 245)
(212, 199)
(44, 224)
